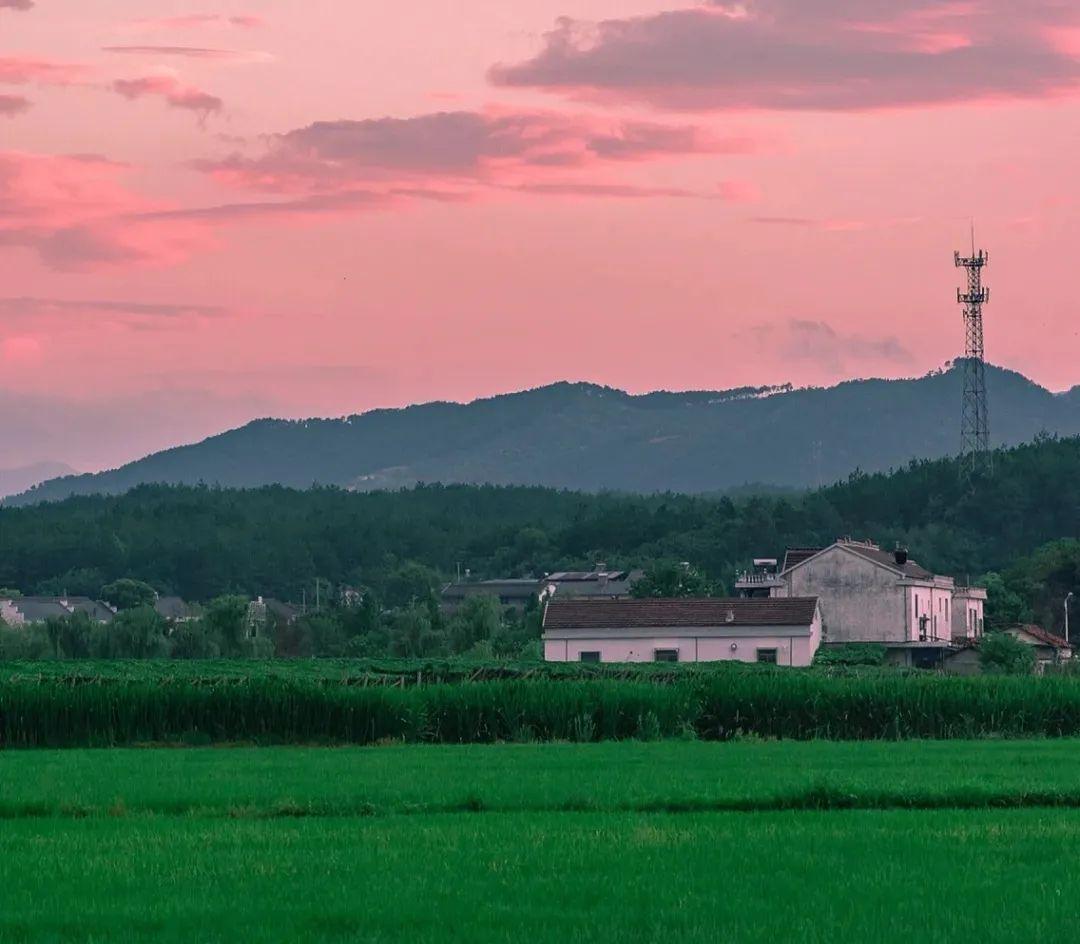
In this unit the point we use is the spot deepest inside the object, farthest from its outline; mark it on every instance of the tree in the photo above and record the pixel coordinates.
(479, 619)
(1004, 606)
(137, 633)
(226, 622)
(127, 593)
(1002, 653)
(670, 579)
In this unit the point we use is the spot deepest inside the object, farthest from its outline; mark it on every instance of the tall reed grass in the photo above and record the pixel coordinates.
(58, 711)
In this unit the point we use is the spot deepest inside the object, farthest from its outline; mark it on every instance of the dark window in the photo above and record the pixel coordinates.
(767, 655)
(667, 655)
(589, 657)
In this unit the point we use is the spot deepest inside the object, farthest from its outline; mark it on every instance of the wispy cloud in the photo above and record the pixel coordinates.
(198, 21)
(12, 105)
(832, 350)
(16, 4)
(192, 52)
(172, 91)
(25, 70)
(461, 148)
(34, 306)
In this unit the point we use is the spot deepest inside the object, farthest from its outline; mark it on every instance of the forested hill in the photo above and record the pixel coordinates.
(591, 438)
(201, 542)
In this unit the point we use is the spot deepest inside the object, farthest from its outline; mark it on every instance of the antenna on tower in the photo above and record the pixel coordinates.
(974, 420)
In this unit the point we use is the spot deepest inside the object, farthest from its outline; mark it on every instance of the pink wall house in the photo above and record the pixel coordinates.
(784, 631)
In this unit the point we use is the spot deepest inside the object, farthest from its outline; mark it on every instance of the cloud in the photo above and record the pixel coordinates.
(191, 52)
(12, 105)
(198, 20)
(22, 70)
(458, 148)
(74, 211)
(16, 4)
(172, 91)
(25, 306)
(826, 55)
(838, 352)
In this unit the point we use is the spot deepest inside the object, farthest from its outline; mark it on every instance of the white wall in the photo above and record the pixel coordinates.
(793, 647)
(860, 601)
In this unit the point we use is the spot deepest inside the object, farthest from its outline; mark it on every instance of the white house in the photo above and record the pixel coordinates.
(871, 595)
(781, 631)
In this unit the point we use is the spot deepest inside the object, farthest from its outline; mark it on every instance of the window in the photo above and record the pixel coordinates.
(667, 655)
(767, 656)
(589, 656)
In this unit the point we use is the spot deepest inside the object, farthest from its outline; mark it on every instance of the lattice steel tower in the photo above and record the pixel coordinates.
(974, 422)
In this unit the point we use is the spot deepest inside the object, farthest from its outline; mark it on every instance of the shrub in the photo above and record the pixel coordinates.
(1000, 652)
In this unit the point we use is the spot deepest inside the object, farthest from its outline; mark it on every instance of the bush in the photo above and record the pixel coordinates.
(1002, 653)
(852, 653)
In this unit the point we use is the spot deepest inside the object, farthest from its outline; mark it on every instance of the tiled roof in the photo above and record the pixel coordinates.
(1047, 639)
(523, 587)
(887, 559)
(627, 614)
(796, 555)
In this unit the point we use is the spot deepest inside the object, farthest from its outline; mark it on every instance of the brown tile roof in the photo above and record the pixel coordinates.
(796, 555)
(1047, 639)
(691, 611)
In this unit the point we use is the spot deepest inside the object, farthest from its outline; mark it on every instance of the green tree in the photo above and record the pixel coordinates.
(127, 593)
(1004, 606)
(137, 633)
(226, 623)
(1002, 653)
(479, 619)
(671, 579)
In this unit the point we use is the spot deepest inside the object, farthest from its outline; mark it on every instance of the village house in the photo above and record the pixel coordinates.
(871, 595)
(574, 584)
(1049, 649)
(24, 611)
(517, 593)
(778, 631)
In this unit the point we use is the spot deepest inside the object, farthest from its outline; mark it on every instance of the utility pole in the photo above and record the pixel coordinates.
(974, 420)
(1067, 599)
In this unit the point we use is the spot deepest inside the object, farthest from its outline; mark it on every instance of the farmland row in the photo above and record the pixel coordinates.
(58, 711)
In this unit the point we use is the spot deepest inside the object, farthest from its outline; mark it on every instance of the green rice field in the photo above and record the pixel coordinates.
(741, 841)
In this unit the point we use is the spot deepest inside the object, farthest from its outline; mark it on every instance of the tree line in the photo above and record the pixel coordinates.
(1016, 531)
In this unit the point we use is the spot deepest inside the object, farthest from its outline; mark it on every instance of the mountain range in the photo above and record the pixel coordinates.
(588, 437)
(19, 479)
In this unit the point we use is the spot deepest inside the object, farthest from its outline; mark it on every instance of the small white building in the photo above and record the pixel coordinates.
(779, 631)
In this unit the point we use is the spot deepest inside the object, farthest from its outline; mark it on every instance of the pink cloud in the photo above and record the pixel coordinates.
(74, 211)
(172, 91)
(16, 4)
(462, 148)
(19, 70)
(20, 349)
(191, 52)
(826, 55)
(12, 105)
(197, 20)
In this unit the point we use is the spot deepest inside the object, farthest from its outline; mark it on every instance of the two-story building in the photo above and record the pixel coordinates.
(871, 595)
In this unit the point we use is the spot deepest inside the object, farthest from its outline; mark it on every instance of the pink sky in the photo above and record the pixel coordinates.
(214, 211)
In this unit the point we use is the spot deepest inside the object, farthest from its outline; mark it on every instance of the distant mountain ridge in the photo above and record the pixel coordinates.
(20, 478)
(588, 437)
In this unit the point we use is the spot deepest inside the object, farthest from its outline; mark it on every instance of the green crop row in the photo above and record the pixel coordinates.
(66, 710)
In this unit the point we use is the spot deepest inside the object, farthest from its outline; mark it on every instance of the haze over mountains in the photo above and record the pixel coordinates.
(20, 478)
(583, 436)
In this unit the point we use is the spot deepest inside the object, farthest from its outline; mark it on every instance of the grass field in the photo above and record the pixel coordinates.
(556, 842)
